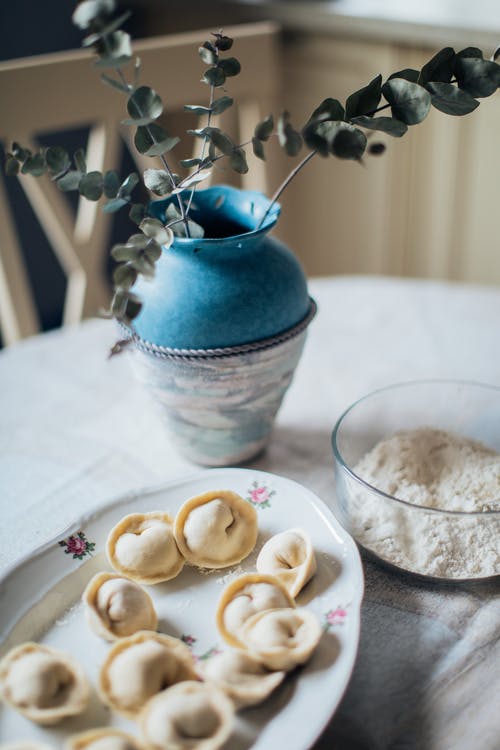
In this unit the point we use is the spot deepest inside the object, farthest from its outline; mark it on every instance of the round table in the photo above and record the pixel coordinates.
(78, 431)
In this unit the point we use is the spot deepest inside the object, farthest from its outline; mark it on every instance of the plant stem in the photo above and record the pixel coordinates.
(205, 140)
(285, 184)
(165, 164)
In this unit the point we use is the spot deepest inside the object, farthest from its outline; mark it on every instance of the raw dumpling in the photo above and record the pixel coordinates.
(117, 607)
(290, 557)
(281, 638)
(246, 595)
(216, 529)
(141, 665)
(105, 738)
(241, 677)
(42, 683)
(187, 716)
(142, 547)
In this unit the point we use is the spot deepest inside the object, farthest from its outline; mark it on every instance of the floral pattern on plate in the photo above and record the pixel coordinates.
(77, 545)
(260, 495)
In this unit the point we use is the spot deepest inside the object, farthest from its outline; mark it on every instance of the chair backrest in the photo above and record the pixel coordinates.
(62, 91)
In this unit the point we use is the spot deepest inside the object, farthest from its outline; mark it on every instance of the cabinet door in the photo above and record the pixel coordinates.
(335, 213)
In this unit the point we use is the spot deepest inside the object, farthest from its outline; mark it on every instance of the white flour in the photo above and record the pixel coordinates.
(438, 470)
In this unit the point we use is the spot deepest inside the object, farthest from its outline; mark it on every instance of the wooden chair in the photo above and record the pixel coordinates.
(62, 91)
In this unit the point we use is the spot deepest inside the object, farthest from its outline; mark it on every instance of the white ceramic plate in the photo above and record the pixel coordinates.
(40, 600)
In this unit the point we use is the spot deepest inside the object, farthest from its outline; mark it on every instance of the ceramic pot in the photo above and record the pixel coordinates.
(222, 328)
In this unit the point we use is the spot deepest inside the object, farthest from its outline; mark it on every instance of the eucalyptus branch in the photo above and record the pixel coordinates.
(285, 184)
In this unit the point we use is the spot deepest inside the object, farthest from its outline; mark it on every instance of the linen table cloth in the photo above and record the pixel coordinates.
(77, 431)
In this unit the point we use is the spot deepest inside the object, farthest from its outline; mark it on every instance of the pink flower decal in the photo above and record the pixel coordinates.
(190, 640)
(260, 495)
(334, 617)
(77, 545)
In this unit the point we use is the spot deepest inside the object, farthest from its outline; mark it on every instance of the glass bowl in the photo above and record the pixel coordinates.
(444, 545)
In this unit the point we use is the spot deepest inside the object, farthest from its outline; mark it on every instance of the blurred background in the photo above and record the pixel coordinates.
(426, 208)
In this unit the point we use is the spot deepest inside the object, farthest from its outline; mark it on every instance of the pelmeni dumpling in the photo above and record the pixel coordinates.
(42, 683)
(281, 638)
(187, 716)
(246, 595)
(216, 529)
(104, 738)
(142, 547)
(241, 677)
(141, 665)
(116, 607)
(290, 557)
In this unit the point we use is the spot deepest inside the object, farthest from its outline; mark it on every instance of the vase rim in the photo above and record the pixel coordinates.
(238, 196)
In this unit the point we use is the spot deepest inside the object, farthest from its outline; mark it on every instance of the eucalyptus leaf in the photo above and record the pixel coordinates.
(230, 66)
(197, 109)
(221, 141)
(496, 54)
(439, 68)
(125, 306)
(111, 184)
(138, 242)
(196, 232)
(153, 140)
(221, 104)
(409, 102)
(376, 149)
(70, 180)
(172, 212)
(366, 100)
(238, 161)
(470, 52)
(289, 139)
(264, 129)
(214, 76)
(57, 159)
(19, 152)
(124, 276)
(450, 99)
(153, 250)
(128, 185)
(34, 165)
(90, 10)
(112, 206)
(476, 76)
(388, 125)
(124, 253)
(349, 143)
(91, 186)
(188, 163)
(408, 74)
(329, 109)
(137, 212)
(158, 181)
(11, 165)
(223, 43)
(144, 265)
(118, 51)
(208, 53)
(319, 135)
(80, 161)
(144, 106)
(153, 228)
(124, 88)
(193, 179)
(258, 148)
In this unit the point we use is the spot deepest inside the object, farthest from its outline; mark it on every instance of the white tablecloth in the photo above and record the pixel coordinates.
(76, 431)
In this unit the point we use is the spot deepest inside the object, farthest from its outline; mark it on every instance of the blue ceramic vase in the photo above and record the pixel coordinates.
(223, 291)
(222, 327)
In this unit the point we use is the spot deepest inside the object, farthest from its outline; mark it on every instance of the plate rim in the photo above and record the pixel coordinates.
(326, 515)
